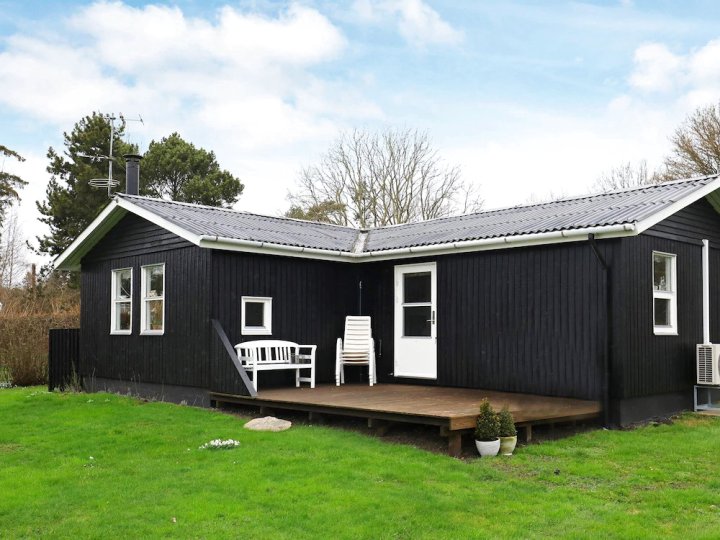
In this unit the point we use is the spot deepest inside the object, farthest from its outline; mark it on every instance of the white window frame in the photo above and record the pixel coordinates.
(672, 329)
(114, 301)
(265, 329)
(144, 299)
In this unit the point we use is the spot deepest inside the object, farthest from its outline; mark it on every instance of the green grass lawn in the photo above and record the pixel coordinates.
(147, 478)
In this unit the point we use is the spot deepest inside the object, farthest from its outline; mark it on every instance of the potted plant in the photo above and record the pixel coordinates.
(508, 433)
(487, 430)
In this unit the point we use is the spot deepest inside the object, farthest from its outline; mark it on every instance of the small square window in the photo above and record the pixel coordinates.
(256, 316)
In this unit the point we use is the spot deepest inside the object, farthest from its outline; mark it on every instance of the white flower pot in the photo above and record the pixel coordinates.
(507, 445)
(488, 448)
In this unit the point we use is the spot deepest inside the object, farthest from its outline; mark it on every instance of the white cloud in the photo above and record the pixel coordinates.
(656, 68)
(155, 37)
(416, 21)
(157, 61)
(240, 83)
(695, 75)
(421, 24)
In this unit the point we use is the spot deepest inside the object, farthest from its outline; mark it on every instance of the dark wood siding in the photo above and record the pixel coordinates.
(310, 300)
(180, 356)
(134, 235)
(645, 363)
(521, 320)
(692, 224)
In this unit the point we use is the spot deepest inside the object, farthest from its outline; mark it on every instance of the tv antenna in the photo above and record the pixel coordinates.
(109, 182)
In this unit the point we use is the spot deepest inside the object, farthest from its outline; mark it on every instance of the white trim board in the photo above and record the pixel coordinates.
(675, 207)
(93, 233)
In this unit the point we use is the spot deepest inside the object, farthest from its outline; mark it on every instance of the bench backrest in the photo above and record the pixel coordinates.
(268, 351)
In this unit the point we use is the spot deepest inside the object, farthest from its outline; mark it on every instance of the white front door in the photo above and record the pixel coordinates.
(415, 321)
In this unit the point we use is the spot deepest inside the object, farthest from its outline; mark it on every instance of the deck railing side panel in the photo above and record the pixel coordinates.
(228, 374)
(63, 357)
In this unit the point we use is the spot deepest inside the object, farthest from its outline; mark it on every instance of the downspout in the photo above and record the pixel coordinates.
(608, 331)
(706, 291)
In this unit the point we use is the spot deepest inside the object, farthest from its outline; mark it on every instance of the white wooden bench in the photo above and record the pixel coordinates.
(271, 354)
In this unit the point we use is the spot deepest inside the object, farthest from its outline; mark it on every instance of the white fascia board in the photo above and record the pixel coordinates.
(265, 248)
(107, 219)
(159, 221)
(70, 258)
(675, 207)
(507, 242)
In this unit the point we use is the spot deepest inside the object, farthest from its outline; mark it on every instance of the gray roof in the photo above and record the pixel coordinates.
(212, 221)
(615, 208)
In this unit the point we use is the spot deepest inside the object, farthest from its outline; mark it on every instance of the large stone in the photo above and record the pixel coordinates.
(268, 423)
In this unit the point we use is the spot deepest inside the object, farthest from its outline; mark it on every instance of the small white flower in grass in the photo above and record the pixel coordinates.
(92, 457)
(219, 444)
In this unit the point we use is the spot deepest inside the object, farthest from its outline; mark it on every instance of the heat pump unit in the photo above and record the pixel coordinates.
(708, 364)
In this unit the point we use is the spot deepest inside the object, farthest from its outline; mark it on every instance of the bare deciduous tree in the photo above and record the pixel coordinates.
(12, 252)
(373, 179)
(696, 146)
(626, 176)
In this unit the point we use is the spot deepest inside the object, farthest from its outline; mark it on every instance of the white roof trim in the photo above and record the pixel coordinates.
(70, 258)
(696, 195)
(503, 242)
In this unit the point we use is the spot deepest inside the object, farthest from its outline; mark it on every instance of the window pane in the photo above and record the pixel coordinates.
(662, 267)
(662, 312)
(155, 281)
(122, 314)
(123, 284)
(416, 287)
(416, 321)
(154, 314)
(254, 314)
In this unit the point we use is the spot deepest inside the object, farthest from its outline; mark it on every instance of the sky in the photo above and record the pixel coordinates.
(530, 99)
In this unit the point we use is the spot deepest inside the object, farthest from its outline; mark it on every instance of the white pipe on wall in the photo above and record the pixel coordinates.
(706, 291)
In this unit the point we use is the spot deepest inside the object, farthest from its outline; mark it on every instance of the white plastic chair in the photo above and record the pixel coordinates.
(358, 349)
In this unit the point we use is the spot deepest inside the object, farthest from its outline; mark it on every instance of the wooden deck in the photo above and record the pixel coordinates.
(452, 409)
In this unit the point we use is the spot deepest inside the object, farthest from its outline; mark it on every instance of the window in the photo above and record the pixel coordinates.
(256, 316)
(152, 315)
(664, 293)
(121, 302)
(417, 304)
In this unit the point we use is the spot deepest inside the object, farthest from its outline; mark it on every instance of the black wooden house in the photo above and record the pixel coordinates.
(598, 297)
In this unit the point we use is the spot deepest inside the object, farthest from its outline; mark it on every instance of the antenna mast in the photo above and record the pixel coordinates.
(109, 182)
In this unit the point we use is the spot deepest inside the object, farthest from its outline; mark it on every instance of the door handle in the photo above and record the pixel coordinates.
(431, 320)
